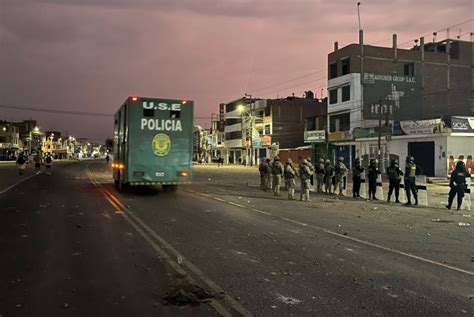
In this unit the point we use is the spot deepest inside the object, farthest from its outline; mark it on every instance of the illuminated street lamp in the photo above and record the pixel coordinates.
(34, 131)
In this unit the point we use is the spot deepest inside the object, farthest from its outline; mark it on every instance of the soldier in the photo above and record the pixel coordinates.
(328, 174)
(357, 172)
(394, 177)
(290, 175)
(267, 173)
(339, 171)
(458, 184)
(410, 180)
(277, 171)
(320, 175)
(373, 172)
(305, 174)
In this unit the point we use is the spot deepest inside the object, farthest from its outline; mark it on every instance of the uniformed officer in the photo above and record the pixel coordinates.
(372, 174)
(277, 171)
(290, 174)
(458, 184)
(339, 171)
(305, 174)
(394, 177)
(410, 180)
(357, 172)
(311, 167)
(320, 175)
(328, 174)
(267, 173)
(261, 169)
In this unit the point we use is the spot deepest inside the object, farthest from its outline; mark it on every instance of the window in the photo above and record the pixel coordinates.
(268, 111)
(267, 129)
(409, 69)
(341, 122)
(333, 96)
(310, 124)
(346, 66)
(233, 135)
(454, 50)
(346, 93)
(232, 121)
(333, 70)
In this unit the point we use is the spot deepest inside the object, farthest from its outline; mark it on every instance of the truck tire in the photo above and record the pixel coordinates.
(170, 188)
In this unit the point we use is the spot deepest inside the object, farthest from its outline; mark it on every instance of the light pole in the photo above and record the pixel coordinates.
(32, 132)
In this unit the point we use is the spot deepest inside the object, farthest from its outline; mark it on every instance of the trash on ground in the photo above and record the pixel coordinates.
(464, 224)
(468, 216)
(288, 300)
(185, 295)
(180, 260)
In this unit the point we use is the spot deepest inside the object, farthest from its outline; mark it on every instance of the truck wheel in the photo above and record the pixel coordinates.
(170, 188)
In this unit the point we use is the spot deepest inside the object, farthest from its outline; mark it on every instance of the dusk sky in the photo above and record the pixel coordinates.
(89, 55)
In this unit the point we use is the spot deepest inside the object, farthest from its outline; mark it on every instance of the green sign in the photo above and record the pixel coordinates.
(400, 97)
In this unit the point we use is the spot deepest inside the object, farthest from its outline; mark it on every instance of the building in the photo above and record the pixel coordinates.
(10, 143)
(258, 128)
(371, 87)
(31, 136)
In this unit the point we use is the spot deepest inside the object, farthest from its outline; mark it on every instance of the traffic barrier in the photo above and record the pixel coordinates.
(466, 202)
(379, 189)
(422, 190)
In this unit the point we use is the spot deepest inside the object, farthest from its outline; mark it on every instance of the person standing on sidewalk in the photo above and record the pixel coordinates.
(373, 173)
(305, 174)
(320, 175)
(21, 163)
(458, 184)
(277, 171)
(410, 180)
(261, 170)
(339, 171)
(328, 174)
(394, 177)
(290, 175)
(357, 172)
(267, 174)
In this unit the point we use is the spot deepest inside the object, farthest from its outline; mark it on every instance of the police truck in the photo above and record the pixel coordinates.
(153, 142)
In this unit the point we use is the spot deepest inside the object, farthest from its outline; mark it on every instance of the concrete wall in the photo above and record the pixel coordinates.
(353, 105)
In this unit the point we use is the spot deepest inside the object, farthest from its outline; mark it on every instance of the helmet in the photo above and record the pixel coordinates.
(341, 159)
(277, 158)
(321, 160)
(328, 161)
(393, 162)
(460, 165)
(290, 161)
(304, 161)
(410, 159)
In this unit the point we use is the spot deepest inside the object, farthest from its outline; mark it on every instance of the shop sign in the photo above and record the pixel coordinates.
(339, 136)
(266, 140)
(257, 143)
(314, 136)
(418, 127)
(463, 124)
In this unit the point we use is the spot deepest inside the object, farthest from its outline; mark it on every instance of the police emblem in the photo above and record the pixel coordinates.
(161, 144)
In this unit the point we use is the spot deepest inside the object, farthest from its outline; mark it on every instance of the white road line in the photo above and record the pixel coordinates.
(262, 212)
(17, 183)
(147, 233)
(367, 243)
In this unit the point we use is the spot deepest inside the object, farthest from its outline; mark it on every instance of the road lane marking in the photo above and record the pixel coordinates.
(147, 233)
(262, 212)
(17, 183)
(364, 242)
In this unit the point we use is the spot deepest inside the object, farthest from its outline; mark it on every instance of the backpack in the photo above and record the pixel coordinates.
(277, 168)
(289, 172)
(49, 160)
(21, 159)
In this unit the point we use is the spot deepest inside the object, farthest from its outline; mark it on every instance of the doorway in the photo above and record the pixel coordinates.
(423, 152)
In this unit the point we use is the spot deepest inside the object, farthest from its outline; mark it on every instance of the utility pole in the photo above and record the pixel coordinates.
(380, 134)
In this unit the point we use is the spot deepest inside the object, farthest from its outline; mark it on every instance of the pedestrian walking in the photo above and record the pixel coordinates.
(277, 171)
(328, 174)
(38, 160)
(372, 173)
(320, 175)
(357, 173)
(410, 180)
(21, 163)
(261, 169)
(49, 163)
(107, 158)
(394, 178)
(340, 171)
(290, 175)
(305, 174)
(458, 184)
(267, 174)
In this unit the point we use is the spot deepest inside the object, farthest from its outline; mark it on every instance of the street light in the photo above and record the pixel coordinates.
(34, 131)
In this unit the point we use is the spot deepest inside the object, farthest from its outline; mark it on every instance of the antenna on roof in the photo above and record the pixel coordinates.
(358, 14)
(434, 36)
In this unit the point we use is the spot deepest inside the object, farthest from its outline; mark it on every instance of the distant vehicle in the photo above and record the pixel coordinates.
(153, 142)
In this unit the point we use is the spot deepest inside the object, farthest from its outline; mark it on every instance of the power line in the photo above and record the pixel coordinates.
(286, 88)
(287, 81)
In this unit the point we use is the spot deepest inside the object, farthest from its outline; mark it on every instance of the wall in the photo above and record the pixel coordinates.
(294, 155)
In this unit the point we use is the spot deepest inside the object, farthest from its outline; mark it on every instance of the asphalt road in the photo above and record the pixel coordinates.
(72, 245)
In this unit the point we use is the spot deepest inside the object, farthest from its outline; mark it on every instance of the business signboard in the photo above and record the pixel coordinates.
(400, 96)
(411, 127)
(462, 124)
(314, 136)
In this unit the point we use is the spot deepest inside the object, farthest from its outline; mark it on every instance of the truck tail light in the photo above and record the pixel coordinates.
(134, 98)
(183, 174)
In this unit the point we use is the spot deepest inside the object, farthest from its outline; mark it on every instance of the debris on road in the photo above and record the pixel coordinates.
(19, 305)
(468, 216)
(76, 253)
(66, 305)
(180, 260)
(79, 226)
(288, 300)
(464, 224)
(187, 294)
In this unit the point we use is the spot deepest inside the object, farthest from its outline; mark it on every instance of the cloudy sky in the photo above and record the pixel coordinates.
(89, 55)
